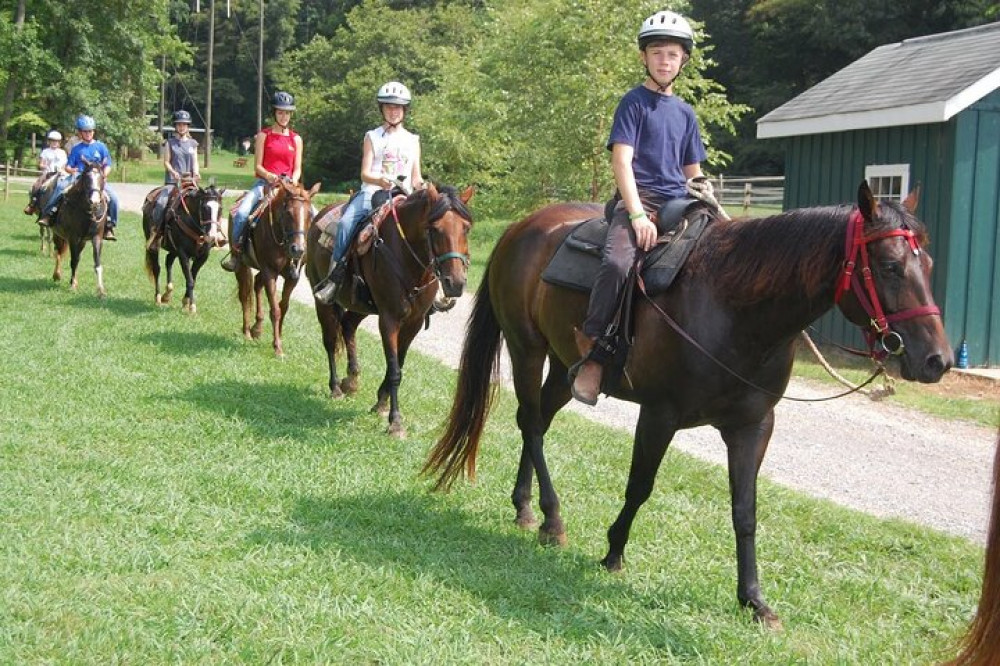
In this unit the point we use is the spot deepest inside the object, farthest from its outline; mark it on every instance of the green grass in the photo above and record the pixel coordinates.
(170, 493)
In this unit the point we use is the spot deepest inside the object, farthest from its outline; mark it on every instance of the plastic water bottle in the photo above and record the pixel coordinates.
(963, 356)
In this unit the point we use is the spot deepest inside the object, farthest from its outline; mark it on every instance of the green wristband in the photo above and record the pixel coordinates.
(636, 216)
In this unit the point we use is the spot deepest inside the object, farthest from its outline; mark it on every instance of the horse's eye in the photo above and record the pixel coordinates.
(893, 268)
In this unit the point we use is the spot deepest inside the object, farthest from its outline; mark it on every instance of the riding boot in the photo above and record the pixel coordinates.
(44, 221)
(109, 232)
(326, 290)
(585, 375)
(233, 259)
(30, 209)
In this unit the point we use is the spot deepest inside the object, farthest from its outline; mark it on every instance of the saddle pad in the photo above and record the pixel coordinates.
(576, 262)
(327, 224)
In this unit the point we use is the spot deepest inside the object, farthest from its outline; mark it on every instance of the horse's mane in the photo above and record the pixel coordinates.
(448, 199)
(802, 249)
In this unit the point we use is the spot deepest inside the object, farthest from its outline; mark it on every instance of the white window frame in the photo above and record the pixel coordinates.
(902, 171)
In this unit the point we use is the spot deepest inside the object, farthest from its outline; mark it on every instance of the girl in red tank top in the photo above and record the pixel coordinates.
(277, 154)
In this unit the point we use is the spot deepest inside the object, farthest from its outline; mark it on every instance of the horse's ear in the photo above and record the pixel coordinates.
(467, 194)
(432, 192)
(912, 199)
(866, 202)
(314, 189)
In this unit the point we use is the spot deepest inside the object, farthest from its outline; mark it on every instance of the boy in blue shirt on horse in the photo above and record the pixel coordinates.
(656, 150)
(90, 150)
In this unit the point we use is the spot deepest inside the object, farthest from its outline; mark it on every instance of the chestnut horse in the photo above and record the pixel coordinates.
(981, 645)
(715, 348)
(190, 232)
(421, 243)
(80, 217)
(276, 246)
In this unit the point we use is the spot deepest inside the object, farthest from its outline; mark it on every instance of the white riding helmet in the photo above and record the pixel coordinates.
(667, 25)
(393, 92)
(54, 135)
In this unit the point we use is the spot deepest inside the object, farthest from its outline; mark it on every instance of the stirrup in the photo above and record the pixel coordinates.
(231, 262)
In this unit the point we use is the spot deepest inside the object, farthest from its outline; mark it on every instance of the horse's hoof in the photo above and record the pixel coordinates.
(546, 538)
(612, 564)
(349, 385)
(526, 520)
(167, 294)
(101, 294)
(380, 408)
(158, 300)
(396, 430)
(767, 618)
(336, 393)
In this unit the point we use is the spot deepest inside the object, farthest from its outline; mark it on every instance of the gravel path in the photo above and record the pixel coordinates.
(879, 458)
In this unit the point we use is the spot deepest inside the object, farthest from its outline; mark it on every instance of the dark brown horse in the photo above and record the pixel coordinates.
(981, 645)
(190, 231)
(422, 243)
(276, 246)
(746, 292)
(80, 217)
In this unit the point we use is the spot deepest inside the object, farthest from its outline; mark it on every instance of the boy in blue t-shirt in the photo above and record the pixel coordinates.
(90, 150)
(656, 149)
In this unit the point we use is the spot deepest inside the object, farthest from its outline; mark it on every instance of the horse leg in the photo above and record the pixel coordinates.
(349, 322)
(75, 249)
(258, 323)
(745, 448)
(330, 329)
(187, 303)
(388, 400)
(527, 365)
(196, 264)
(244, 282)
(153, 270)
(60, 247)
(168, 294)
(554, 396)
(287, 288)
(407, 332)
(98, 268)
(653, 432)
(274, 310)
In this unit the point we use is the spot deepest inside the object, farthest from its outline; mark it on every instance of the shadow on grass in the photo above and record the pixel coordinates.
(86, 297)
(15, 285)
(417, 535)
(183, 343)
(17, 252)
(269, 409)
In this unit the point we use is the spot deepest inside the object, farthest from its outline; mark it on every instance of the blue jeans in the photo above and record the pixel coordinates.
(249, 202)
(65, 182)
(356, 211)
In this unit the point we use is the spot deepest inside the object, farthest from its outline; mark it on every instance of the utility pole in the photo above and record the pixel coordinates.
(208, 93)
(163, 98)
(260, 71)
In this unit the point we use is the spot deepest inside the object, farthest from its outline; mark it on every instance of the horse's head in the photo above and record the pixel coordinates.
(91, 183)
(294, 203)
(205, 205)
(446, 228)
(885, 287)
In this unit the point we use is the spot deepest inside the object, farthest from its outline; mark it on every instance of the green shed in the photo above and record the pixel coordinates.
(923, 111)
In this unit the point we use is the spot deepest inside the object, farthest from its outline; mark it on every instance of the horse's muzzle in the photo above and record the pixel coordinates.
(296, 250)
(452, 286)
(95, 198)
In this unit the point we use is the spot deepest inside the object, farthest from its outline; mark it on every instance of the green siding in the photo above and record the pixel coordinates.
(974, 270)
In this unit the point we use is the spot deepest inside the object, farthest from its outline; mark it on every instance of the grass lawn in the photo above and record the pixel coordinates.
(170, 493)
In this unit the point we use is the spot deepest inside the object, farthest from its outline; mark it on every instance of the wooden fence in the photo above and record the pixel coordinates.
(20, 173)
(745, 192)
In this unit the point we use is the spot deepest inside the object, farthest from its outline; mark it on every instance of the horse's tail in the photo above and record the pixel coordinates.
(981, 645)
(456, 451)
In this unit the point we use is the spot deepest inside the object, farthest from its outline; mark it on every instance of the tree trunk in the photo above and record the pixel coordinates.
(12, 83)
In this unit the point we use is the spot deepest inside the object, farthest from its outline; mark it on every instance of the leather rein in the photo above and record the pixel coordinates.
(436, 260)
(876, 331)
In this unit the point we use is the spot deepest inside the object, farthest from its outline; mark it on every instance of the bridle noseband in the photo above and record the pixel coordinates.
(436, 260)
(877, 330)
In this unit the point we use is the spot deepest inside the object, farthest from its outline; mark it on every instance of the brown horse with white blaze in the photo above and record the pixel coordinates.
(421, 244)
(276, 247)
(715, 348)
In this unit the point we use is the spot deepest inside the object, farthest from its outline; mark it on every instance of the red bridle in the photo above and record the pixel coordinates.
(864, 287)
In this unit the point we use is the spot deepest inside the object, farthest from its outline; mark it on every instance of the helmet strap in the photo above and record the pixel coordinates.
(381, 110)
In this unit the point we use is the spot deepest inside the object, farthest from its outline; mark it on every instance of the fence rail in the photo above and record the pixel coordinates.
(15, 171)
(747, 192)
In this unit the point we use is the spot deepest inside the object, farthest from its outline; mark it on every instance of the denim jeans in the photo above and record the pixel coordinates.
(356, 211)
(249, 202)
